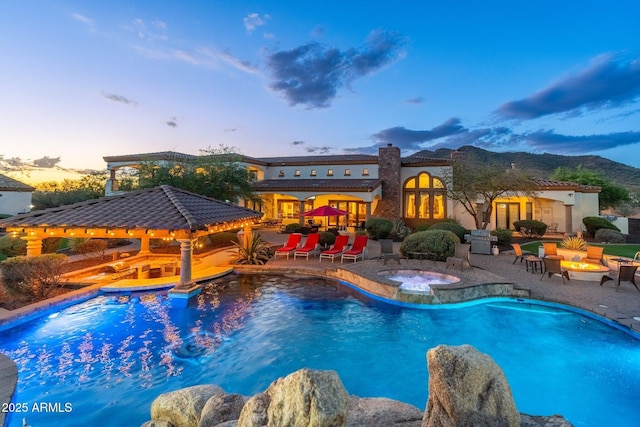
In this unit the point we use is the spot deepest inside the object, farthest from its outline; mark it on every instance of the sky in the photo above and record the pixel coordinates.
(81, 80)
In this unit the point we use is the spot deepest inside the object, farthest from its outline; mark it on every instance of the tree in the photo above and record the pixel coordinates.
(52, 194)
(217, 174)
(476, 188)
(610, 194)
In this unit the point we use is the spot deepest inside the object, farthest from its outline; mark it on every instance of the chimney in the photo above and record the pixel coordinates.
(389, 165)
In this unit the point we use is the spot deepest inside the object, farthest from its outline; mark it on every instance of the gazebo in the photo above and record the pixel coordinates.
(153, 213)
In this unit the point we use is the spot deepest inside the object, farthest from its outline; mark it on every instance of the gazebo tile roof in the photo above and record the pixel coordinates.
(10, 184)
(162, 207)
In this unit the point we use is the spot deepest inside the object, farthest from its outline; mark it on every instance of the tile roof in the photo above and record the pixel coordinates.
(547, 184)
(149, 157)
(10, 184)
(418, 159)
(317, 184)
(159, 208)
(320, 160)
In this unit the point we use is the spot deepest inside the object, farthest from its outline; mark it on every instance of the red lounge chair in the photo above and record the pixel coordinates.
(310, 247)
(290, 246)
(357, 250)
(336, 249)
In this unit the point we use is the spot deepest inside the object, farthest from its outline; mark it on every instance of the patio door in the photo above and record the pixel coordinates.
(507, 214)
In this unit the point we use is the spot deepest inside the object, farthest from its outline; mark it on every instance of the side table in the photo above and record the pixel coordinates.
(534, 263)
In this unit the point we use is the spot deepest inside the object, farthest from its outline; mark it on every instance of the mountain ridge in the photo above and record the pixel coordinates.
(543, 165)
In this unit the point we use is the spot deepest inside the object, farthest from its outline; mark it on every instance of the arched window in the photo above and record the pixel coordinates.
(425, 197)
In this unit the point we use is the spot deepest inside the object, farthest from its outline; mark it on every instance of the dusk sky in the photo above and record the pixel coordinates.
(87, 79)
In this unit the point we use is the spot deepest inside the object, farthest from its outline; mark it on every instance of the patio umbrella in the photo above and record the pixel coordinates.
(325, 211)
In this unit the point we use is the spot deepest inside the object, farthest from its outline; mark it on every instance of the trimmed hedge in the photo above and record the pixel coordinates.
(327, 238)
(378, 228)
(530, 228)
(456, 229)
(505, 237)
(595, 223)
(606, 235)
(441, 243)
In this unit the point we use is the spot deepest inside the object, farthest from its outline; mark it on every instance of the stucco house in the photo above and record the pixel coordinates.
(411, 188)
(15, 196)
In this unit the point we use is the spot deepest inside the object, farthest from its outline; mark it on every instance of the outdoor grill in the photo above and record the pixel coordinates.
(481, 241)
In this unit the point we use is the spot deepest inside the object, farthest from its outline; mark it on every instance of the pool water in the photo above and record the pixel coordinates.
(109, 357)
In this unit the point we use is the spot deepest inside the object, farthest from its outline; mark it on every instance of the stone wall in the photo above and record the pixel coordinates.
(389, 171)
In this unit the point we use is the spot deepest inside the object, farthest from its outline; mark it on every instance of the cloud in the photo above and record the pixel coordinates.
(417, 100)
(610, 81)
(312, 74)
(412, 139)
(118, 98)
(82, 18)
(254, 20)
(297, 142)
(173, 122)
(237, 63)
(569, 144)
(318, 150)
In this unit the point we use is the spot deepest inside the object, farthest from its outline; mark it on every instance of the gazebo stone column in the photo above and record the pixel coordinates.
(301, 218)
(248, 235)
(34, 245)
(144, 245)
(186, 249)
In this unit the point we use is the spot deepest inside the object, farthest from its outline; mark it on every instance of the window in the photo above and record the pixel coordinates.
(253, 175)
(424, 197)
(281, 174)
(365, 172)
(313, 172)
(297, 172)
(347, 172)
(529, 210)
(330, 172)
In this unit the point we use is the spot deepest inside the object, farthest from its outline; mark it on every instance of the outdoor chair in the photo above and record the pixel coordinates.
(461, 259)
(386, 251)
(519, 253)
(311, 247)
(357, 250)
(290, 246)
(551, 251)
(626, 273)
(552, 268)
(336, 250)
(594, 255)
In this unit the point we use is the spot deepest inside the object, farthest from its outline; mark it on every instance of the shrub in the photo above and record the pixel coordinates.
(225, 238)
(609, 236)
(296, 228)
(255, 252)
(595, 223)
(327, 238)
(423, 226)
(530, 228)
(505, 237)
(399, 230)
(91, 247)
(574, 242)
(12, 246)
(35, 277)
(441, 243)
(456, 229)
(378, 228)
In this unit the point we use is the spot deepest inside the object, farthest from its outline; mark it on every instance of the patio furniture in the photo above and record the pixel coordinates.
(386, 251)
(626, 273)
(311, 247)
(552, 268)
(534, 263)
(290, 246)
(336, 250)
(551, 251)
(519, 253)
(594, 255)
(357, 250)
(461, 259)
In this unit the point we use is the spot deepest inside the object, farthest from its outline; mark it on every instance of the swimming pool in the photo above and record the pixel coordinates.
(109, 357)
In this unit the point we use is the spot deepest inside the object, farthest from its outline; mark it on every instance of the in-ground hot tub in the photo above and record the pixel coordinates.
(418, 281)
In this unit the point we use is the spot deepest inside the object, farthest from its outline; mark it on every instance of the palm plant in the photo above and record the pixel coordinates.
(255, 252)
(574, 242)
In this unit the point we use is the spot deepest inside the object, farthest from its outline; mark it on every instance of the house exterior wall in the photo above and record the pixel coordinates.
(15, 202)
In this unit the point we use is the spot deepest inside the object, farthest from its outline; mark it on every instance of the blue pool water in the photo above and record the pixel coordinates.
(106, 359)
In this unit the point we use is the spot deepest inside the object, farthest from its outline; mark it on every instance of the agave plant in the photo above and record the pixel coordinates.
(574, 242)
(255, 252)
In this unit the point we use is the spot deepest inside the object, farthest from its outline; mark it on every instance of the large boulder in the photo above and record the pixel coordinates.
(221, 408)
(183, 407)
(382, 412)
(305, 398)
(467, 388)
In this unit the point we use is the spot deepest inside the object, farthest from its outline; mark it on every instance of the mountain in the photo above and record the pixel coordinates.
(543, 165)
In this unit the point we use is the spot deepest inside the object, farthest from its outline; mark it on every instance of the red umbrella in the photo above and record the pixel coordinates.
(325, 211)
